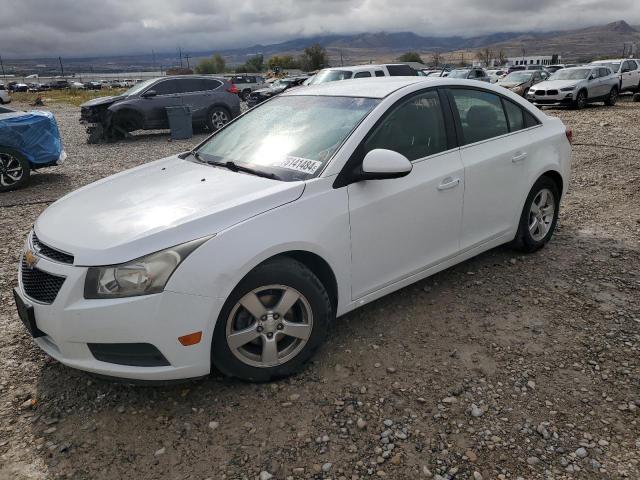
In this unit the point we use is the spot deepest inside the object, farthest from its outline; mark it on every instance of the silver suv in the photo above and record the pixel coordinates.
(576, 87)
(247, 84)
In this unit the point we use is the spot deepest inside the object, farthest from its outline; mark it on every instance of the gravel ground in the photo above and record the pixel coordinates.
(504, 367)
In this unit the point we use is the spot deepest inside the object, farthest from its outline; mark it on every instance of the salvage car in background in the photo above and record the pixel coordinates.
(628, 72)
(363, 71)
(520, 82)
(470, 74)
(213, 103)
(577, 87)
(241, 253)
(28, 141)
(247, 84)
(276, 88)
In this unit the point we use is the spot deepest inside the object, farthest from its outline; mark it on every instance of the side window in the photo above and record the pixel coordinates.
(188, 85)
(625, 66)
(481, 114)
(210, 84)
(401, 71)
(362, 75)
(633, 65)
(515, 115)
(166, 87)
(604, 72)
(415, 128)
(379, 73)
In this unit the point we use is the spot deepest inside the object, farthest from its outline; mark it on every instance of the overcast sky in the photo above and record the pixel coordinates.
(31, 28)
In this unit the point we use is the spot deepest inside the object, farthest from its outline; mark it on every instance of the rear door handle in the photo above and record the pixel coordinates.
(448, 183)
(519, 157)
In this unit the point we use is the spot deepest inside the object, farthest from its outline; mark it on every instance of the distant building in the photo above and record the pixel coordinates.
(534, 60)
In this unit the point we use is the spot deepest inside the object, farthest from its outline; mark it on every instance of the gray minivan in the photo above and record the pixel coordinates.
(213, 102)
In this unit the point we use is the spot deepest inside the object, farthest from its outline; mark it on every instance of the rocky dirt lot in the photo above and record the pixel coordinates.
(504, 367)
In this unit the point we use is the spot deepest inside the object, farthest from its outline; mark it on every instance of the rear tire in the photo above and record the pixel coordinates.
(14, 170)
(539, 216)
(217, 118)
(267, 348)
(612, 98)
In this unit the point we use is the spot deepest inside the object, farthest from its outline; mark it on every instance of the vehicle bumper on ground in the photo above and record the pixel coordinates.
(131, 338)
(556, 98)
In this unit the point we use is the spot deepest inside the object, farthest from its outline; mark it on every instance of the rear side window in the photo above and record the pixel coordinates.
(481, 115)
(379, 73)
(210, 84)
(415, 128)
(604, 72)
(515, 116)
(362, 75)
(633, 64)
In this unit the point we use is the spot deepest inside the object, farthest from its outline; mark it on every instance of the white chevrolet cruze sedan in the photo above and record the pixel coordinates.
(241, 253)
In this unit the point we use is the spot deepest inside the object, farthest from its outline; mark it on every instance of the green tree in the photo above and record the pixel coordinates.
(283, 61)
(215, 64)
(255, 63)
(314, 58)
(410, 57)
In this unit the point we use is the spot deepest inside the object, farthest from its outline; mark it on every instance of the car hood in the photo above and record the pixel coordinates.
(269, 90)
(95, 102)
(556, 84)
(510, 84)
(156, 206)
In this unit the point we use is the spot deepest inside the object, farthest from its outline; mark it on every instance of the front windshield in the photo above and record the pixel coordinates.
(519, 77)
(459, 74)
(571, 74)
(139, 87)
(613, 65)
(331, 76)
(291, 136)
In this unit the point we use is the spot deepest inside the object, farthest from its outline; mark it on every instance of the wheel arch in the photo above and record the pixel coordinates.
(556, 177)
(318, 265)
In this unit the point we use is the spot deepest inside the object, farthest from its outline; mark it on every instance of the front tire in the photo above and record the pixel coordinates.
(612, 98)
(539, 216)
(272, 322)
(581, 100)
(14, 170)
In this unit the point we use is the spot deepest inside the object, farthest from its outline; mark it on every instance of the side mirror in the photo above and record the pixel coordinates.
(149, 94)
(381, 164)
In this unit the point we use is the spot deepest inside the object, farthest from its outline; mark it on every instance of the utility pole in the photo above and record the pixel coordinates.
(180, 55)
(341, 62)
(187, 56)
(2, 67)
(61, 67)
(153, 56)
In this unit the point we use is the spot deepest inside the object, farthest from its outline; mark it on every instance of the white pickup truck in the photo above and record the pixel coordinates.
(628, 71)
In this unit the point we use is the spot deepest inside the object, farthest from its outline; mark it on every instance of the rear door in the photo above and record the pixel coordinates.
(497, 155)
(167, 95)
(627, 75)
(199, 96)
(634, 74)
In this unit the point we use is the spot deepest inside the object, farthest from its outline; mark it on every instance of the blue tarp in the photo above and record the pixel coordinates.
(34, 134)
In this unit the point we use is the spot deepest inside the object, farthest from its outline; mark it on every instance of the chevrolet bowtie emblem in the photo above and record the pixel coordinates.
(30, 259)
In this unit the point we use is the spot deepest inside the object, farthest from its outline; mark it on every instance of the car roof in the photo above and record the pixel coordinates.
(378, 87)
(381, 87)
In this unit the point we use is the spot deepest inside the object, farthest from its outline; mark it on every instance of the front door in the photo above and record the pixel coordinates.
(401, 226)
(154, 108)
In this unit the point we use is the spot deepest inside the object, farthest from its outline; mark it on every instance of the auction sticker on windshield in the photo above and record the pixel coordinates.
(298, 164)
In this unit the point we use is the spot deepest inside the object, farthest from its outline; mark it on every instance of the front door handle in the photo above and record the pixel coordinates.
(448, 183)
(519, 157)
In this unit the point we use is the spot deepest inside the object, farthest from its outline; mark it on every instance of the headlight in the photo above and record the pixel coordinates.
(568, 89)
(143, 276)
(518, 88)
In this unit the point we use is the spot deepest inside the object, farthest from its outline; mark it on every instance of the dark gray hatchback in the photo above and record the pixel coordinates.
(213, 102)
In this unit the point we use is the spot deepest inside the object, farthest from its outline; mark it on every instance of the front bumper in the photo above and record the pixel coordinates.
(70, 323)
(555, 99)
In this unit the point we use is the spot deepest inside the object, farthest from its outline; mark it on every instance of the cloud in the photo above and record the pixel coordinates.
(45, 28)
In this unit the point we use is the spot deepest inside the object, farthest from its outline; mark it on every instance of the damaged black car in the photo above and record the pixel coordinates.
(279, 86)
(213, 103)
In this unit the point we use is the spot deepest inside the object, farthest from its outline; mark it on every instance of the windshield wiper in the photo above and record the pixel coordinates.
(234, 167)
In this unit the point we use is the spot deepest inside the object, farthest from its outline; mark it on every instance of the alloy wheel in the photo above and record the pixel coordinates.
(11, 170)
(219, 119)
(269, 326)
(541, 214)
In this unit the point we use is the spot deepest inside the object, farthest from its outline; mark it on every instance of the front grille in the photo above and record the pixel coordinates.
(40, 286)
(50, 253)
(552, 92)
(539, 93)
